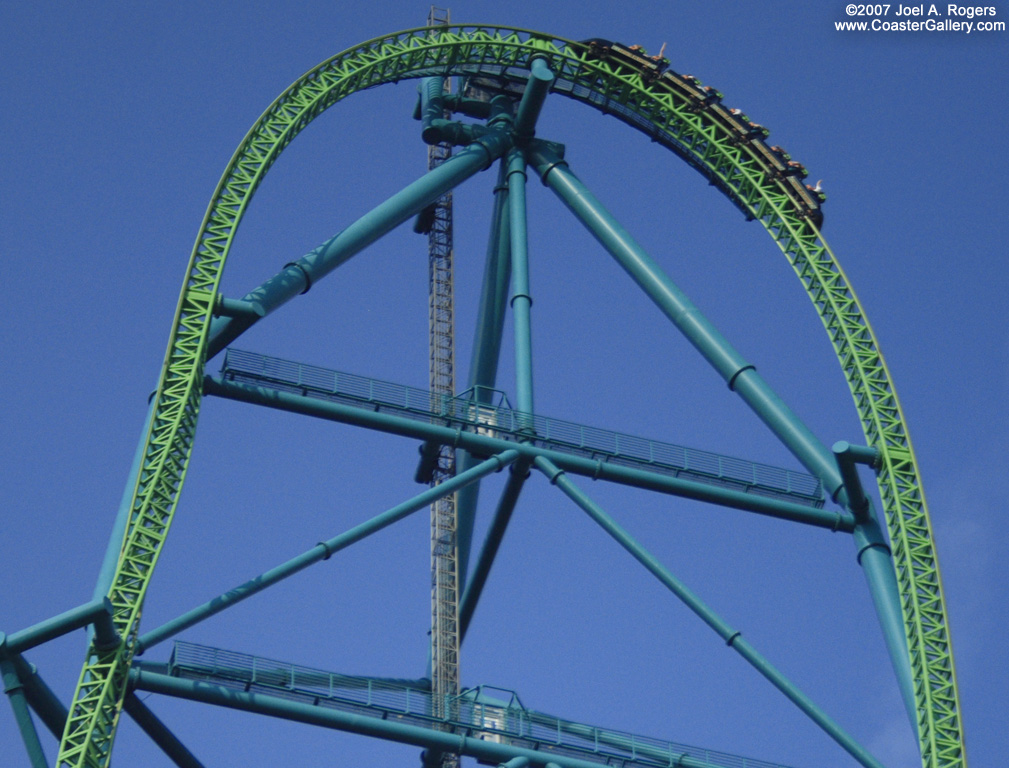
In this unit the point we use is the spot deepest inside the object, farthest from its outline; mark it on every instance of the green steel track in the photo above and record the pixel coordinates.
(659, 110)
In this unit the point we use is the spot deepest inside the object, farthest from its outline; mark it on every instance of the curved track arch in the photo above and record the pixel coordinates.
(666, 115)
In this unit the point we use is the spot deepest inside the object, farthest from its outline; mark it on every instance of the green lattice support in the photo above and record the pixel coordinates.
(653, 108)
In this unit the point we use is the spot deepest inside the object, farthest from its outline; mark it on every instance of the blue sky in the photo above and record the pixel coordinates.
(118, 119)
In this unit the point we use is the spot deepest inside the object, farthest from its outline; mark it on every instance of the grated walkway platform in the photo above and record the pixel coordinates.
(473, 713)
(503, 422)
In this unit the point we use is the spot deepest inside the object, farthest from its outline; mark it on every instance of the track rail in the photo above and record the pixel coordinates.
(662, 112)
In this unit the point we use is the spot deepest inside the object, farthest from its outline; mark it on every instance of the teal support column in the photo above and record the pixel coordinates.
(322, 551)
(502, 515)
(537, 88)
(432, 108)
(299, 276)
(159, 733)
(15, 692)
(40, 697)
(521, 300)
(732, 637)
(876, 560)
(108, 568)
(742, 378)
(485, 355)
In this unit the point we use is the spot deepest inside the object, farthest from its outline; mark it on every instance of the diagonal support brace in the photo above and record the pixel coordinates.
(732, 637)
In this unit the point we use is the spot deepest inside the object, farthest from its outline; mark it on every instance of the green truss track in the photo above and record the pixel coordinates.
(657, 109)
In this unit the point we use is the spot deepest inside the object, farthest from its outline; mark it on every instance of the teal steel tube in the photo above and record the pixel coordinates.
(159, 733)
(484, 751)
(516, 762)
(521, 299)
(226, 307)
(731, 637)
(484, 444)
(846, 456)
(95, 612)
(322, 551)
(502, 515)
(485, 355)
(432, 108)
(40, 697)
(873, 553)
(107, 571)
(740, 375)
(299, 276)
(537, 88)
(15, 693)
(875, 558)
(493, 295)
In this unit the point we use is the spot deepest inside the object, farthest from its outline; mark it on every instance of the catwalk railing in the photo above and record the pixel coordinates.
(465, 412)
(505, 722)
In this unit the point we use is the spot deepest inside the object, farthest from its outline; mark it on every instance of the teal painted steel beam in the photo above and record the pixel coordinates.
(732, 637)
(299, 276)
(390, 729)
(238, 308)
(435, 129)
(521, 299)
(875, 558)
(107, 571)
(484, 445)
(737, 373)
(742, 378)
(495, 534)
(486, 350)
(97, 612)
(14, 689)
(537, 88)
(46, 704)
(847, 456)
(159, 733)
(323, 551)
(516, 762)
(485, 355)
(432, 108)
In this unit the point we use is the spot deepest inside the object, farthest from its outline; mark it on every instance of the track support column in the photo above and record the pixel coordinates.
(15, 692)
(521, 300)
(742, 378)
(485, 355)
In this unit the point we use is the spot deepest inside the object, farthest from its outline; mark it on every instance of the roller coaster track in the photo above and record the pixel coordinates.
(668, 116)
